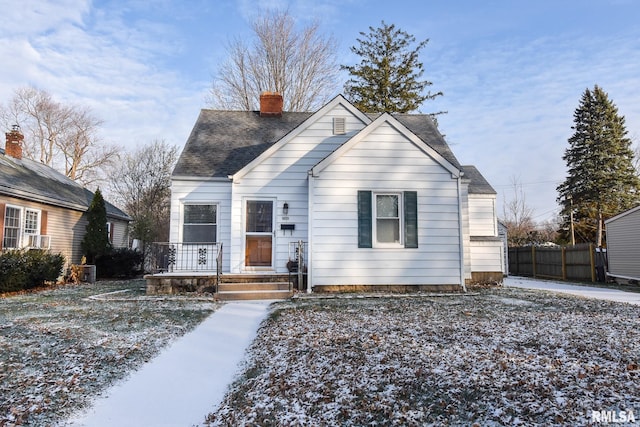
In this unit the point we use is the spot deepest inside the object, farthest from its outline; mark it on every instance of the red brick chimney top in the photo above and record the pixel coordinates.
(13, 145)
(270, 104)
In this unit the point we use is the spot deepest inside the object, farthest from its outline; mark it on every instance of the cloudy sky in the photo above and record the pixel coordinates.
(512, 71)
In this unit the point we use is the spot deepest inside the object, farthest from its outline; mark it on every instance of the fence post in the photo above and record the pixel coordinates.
(592, 259)
(564, 263)
(533, 260)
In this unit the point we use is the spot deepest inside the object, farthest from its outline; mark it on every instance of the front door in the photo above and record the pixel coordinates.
(259, 234)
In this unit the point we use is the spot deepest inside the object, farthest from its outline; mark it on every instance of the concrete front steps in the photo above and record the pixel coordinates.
(236, 287)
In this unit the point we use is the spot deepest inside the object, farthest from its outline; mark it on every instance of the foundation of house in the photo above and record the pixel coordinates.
(404, 289)
(231, 286)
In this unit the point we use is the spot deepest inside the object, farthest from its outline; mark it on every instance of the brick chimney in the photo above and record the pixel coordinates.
(13, 146)
(270, 104)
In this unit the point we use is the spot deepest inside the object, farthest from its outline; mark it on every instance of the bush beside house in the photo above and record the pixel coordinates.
(22, 270)
(119, 263)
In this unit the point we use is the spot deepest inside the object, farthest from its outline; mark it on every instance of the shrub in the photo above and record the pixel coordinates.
(120, 263)
(20, 270)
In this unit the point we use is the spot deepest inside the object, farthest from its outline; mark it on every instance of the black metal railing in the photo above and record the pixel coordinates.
(297, 265)
(218, 267)
(171, 257)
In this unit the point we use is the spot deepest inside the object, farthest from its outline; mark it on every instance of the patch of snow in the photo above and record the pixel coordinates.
(187, 380)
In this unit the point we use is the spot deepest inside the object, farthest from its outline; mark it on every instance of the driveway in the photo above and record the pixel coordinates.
(567, 288)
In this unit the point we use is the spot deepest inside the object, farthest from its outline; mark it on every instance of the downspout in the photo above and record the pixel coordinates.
(310, 192)
(461, 232)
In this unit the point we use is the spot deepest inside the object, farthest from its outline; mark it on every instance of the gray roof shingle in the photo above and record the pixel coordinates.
(223, 142)
(31, 180)
(478, 184)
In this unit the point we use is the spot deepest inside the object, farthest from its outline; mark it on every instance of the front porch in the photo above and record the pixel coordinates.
(197, 268)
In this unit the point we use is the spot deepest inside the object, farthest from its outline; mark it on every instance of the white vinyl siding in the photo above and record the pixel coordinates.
(370, 165)
(284, 177)
(186, 191)
(487, 256)
(482, 215)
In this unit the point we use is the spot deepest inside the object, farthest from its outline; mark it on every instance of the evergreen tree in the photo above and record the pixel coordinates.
(387, 79)
(96, 238)
(601, 180)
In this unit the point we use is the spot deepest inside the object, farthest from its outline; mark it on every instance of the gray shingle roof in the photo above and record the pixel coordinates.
(31, 180)
(223, 142)
(478, 184)
(422, 126)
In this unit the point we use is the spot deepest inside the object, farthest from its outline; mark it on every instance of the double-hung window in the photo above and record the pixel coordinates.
(21, 227)
(32, 228)
(200, 223)
(11, 234)
(387, 211)
(387, 219)
(31, 222)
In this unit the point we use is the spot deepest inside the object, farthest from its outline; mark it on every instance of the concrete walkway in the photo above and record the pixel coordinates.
(567, 288)
(186, 381)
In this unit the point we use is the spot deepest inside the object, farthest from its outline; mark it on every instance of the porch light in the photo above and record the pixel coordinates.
(285, 209)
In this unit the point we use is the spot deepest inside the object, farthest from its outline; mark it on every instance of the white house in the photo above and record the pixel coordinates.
(379, 201)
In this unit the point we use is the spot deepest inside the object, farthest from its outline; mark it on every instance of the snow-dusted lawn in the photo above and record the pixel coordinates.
(499, 357)
(62, 347)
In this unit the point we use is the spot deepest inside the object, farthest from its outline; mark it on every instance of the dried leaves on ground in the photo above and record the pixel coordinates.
(61, 347)
(500, 357)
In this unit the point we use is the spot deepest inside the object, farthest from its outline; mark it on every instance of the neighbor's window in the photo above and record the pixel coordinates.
(31, 222)
(387, 214)
(200, 224)
(11, 227)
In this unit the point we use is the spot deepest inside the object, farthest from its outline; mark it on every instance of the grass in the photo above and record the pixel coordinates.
(61, 347)
(499, 357)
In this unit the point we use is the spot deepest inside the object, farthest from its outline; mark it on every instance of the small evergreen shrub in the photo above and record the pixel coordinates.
(119, 263)
(21, 270)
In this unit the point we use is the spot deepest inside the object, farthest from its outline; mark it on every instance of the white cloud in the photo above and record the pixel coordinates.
(96, 57)
(511, 104)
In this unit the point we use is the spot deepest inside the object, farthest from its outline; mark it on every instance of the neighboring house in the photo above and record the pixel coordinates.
(623, 245)
(380, 201)
(42, 208)
(504, 237)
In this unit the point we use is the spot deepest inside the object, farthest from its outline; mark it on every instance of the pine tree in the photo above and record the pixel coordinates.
(96, 239)
(601, 180)
(387, 79)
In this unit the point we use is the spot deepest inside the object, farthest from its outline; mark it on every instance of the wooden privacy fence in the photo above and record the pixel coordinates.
(578, 263)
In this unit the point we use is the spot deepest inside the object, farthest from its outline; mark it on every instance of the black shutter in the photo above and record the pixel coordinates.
(410, 219)
(365, 236)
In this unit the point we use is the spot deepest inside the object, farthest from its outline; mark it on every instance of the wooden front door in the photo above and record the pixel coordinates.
(259, 233)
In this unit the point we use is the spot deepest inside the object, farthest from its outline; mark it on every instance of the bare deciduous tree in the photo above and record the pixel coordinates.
(300, 65)
(518, 216)
(61, 136)
(141, 186)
